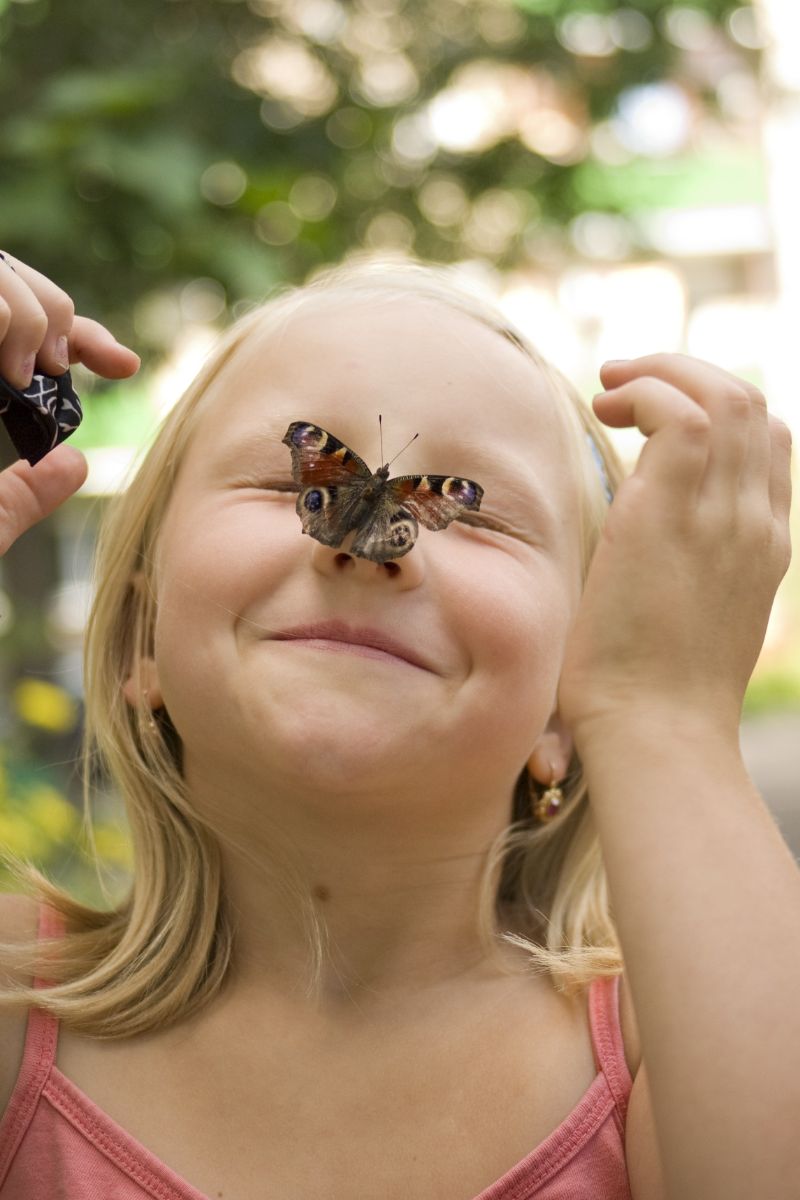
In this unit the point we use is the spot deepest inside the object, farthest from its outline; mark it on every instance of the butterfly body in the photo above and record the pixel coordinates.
(339, 494)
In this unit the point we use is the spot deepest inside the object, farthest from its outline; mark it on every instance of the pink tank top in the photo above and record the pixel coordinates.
(56, 1144)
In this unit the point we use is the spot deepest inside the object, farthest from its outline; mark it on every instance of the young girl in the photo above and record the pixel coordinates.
(368, 950)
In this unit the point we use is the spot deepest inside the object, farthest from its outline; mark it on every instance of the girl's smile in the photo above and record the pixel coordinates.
(362, 641)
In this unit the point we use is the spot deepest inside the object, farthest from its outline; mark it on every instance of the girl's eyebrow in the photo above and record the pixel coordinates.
(524, 508)
(250, 449)
(518, 489)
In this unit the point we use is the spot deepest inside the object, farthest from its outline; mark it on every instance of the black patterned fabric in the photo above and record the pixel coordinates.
(39, 418)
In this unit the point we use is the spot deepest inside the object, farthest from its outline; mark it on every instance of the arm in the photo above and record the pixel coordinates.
(706, 897)
(705, 893)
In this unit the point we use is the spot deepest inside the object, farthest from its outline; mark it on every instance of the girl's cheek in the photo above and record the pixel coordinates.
(523, 619)
(225, 550)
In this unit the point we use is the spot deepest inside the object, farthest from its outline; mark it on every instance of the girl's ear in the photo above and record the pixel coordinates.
(550, 758)
(143, 681)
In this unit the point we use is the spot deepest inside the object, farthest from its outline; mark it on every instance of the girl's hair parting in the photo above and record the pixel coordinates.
(165, 950)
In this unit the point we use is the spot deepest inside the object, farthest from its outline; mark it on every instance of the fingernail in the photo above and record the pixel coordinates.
(26, 370)
(62, 353)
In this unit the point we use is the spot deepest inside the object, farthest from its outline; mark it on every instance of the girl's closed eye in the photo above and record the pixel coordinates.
(483, 521)
(269, 485)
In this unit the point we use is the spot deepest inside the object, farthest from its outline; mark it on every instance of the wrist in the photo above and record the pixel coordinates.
(655, 729)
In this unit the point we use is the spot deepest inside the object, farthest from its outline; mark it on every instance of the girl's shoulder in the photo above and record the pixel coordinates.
(19, 916)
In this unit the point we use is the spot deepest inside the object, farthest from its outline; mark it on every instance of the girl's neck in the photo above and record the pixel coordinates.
(387, 934)
(394, 882)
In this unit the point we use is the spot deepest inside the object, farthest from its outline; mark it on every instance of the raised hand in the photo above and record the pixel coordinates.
(680, 589)
(39, 331)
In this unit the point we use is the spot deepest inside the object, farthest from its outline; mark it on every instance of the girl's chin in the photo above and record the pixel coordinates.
(326, 728)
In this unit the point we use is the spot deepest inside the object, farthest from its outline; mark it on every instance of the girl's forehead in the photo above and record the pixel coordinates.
(425, 368)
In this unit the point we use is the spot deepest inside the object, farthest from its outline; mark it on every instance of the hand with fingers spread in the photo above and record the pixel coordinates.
(681, 585)
(39, 332)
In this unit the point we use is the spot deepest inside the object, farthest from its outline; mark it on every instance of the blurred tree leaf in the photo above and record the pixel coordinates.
(160, 142)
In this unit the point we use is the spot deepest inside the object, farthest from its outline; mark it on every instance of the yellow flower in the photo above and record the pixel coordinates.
(20, 837)
(45, 705)
(51, 812)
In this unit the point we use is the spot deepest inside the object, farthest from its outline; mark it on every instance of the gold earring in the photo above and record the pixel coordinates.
(548, 805)
(150, 722)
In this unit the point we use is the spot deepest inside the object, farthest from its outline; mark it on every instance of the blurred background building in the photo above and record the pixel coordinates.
(621, 178)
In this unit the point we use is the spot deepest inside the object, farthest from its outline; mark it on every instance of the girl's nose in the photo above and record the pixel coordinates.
(405, 572)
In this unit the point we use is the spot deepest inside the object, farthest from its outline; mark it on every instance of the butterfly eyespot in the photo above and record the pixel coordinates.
(313, 501)
(306, 435)
(462, 489)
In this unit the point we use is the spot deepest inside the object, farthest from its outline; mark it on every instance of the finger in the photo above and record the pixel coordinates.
(52, 355)
(676, 454)
(28, 494)
(755, 479)
(727, 400)
(684, 371)
(93, 345)
(780, 478)
(34, 298)
(23, 327)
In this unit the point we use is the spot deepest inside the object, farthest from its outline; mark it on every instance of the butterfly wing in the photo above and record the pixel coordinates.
(435, 500)
(331, 479)
(388, 532)
(320, 458)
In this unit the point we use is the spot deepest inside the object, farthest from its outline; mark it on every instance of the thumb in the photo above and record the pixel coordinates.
(28, 494)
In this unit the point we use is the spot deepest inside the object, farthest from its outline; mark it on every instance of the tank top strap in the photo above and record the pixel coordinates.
(41, 1041)
(38, 1059)
(609, 1047)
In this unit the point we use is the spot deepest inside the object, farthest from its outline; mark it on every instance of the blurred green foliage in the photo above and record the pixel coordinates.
(40, 819)
(41, 824)
(773, 690)
(144, 145)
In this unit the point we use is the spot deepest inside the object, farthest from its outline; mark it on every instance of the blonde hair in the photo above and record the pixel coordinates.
(165, 951)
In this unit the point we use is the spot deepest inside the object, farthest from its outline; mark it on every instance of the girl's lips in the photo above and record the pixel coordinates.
(371, 643)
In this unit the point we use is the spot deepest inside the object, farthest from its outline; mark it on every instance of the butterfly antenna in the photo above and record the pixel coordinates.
(399, 452)
(380, 432)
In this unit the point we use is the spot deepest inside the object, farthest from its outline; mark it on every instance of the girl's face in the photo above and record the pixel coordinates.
(482, 609)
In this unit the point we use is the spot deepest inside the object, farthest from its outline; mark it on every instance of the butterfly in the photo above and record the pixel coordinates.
(339, 494)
